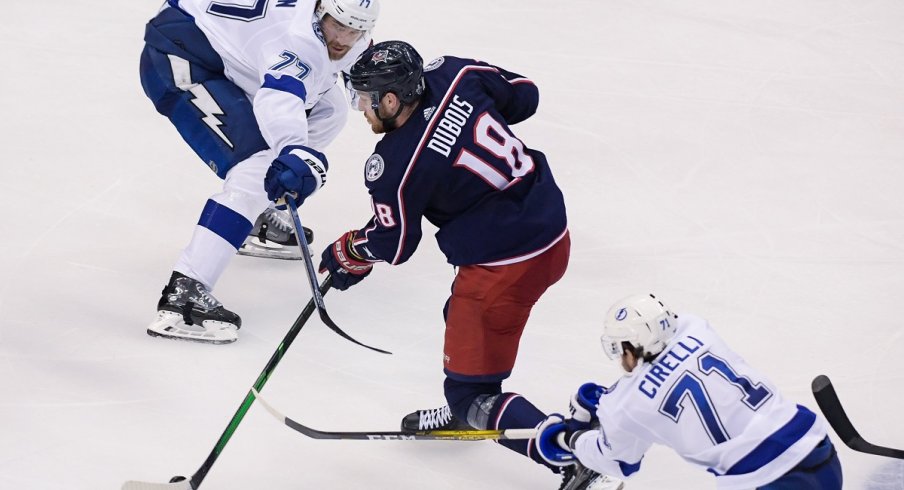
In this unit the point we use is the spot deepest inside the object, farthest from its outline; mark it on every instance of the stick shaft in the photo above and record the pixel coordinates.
(312, 278)
(427, 435)
(277, 356)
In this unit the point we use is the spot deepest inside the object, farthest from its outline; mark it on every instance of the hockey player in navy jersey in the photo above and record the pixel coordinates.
(684, 388)
(251, 87)
(448, 155)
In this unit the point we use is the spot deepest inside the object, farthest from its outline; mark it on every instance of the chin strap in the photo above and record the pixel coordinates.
(389, 123)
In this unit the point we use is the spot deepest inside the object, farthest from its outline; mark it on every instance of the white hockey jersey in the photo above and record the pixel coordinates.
(704, 401)
(274, 50)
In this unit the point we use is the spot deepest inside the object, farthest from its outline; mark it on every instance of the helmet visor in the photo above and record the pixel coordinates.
(612, 347)
(364, 99)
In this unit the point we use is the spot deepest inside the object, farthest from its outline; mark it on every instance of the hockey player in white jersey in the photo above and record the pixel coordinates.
(251, 87)
(684, 388)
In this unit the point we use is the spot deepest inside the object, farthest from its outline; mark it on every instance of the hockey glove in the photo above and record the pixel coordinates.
(554, 441)
(297, 169)
(583, 405)
(344, 263)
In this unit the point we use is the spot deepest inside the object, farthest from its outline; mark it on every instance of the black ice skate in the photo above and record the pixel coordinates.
(273, 237)
(187, 311)
(433, 419)
(579, 477)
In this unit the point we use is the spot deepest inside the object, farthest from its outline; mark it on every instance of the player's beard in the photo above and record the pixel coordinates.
(337, 51)
(376, 125)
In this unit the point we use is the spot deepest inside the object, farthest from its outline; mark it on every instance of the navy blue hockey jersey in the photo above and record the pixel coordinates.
(456, 162)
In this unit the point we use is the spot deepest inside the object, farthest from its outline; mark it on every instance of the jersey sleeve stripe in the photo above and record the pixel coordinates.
(628, 469)
(286, 84)
(521, 80)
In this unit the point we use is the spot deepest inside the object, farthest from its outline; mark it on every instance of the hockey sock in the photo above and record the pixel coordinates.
(513, 411)
(219, 233)
(484, 406)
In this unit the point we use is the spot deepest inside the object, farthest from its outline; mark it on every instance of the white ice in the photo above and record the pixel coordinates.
(744, 160)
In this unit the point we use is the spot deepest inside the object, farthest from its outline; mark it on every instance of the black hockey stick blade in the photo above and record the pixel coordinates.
(427, 435)
(828, 402)
(312, 277)
(325, 317)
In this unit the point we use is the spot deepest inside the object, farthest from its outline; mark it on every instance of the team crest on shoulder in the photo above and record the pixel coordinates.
(373, 169)
(434, 64)
(317, 32)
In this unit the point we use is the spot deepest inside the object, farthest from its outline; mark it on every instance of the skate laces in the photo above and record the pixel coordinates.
(435, 418)
(182, 294)
(279, 219)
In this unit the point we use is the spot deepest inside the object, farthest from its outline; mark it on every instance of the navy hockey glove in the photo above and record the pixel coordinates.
(552, 441)
(297, 169)
(583, 405)
(344, 263)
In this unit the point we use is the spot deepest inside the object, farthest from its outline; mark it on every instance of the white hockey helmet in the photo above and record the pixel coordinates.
(641, 320)
(357, 14)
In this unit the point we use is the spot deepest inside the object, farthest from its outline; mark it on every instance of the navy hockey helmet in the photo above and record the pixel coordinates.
(389, 66)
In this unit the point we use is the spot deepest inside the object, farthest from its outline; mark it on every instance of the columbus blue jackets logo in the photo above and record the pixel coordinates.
(434, 64)
(373, 169)
(380, 56)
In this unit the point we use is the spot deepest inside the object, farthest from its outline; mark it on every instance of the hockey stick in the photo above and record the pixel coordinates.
(830, 405)
(179, 482)
(312, 277)
(426, 435)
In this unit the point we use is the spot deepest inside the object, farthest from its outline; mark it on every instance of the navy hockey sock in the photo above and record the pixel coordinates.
(513, 411)
(484, 406)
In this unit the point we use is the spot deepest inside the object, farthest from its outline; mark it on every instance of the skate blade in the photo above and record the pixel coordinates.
(253, 247)
(170, 325)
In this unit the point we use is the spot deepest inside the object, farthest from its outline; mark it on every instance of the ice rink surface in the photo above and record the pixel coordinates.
(744, 160)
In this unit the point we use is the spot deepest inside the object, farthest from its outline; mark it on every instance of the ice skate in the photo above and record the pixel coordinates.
(187, 311)
(273, 237)
(433, 419)
(579, 477)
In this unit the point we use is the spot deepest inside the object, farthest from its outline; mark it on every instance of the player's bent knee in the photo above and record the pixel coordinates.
(248, 204)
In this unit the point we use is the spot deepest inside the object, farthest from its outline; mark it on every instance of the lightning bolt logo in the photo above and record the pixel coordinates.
(203, 100)
(206, 104)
